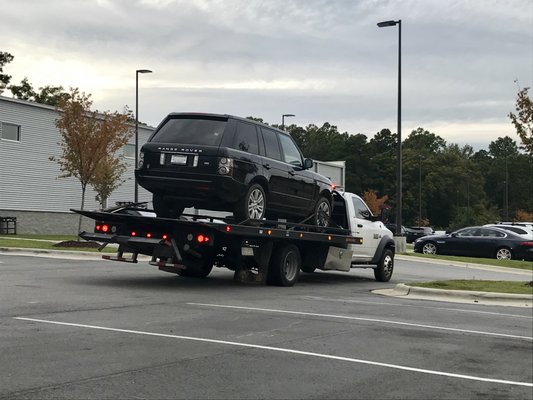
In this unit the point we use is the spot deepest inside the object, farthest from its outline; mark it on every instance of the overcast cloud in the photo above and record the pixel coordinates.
(321, 60)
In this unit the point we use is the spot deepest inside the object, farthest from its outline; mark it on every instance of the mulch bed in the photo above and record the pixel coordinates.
(78, 244)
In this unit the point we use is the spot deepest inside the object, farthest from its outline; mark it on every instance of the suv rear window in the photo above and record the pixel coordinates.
(202, 131)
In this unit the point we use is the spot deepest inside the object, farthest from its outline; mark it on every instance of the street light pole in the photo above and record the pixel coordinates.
(283, 120)
(399, 145)
(137, 72)
(420, 190)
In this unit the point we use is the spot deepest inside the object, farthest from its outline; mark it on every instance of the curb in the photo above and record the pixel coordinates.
(64, 254)
(459, 296)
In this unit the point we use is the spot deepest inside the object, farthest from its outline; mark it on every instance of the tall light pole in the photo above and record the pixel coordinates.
(137, 72)
(283, 120)
(399, 145)
(420, 189)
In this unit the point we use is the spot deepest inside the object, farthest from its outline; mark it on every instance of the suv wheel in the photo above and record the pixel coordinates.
(162, 208)
(252, 205)
(322, 212)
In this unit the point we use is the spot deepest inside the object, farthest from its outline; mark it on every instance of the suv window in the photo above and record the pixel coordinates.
(246, 138)
(361, 210)
(271, 144)
(290, 151)
(468, 232)
(191, 130)
(490, 233)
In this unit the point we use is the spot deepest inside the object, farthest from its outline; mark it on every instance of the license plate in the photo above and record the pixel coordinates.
(247, 251)
(178, 159)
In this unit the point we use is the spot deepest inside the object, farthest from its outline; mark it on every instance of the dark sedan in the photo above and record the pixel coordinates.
(477, 241)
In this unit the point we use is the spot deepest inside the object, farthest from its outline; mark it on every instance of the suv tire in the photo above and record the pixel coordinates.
(322, 214)
(252, 205)
(163, 210)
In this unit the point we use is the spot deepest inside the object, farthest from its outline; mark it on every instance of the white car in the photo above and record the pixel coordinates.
(522, 230)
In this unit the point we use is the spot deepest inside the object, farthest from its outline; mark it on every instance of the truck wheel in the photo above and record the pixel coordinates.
(197, 271)
(163, 210)
(252, 205)
(322, 213)
(284, 267)
(383, 271)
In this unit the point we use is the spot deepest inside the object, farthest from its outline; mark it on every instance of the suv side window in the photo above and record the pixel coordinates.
(271, 144)
(290, 151)
(361, 210)
(246, 138)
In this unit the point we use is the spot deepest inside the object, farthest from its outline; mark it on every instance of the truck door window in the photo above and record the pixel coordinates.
(361, 210)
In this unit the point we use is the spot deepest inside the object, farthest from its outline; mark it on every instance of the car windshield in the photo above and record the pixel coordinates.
(190, 130)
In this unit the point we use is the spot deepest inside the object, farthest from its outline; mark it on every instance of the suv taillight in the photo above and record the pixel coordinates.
(225, 166)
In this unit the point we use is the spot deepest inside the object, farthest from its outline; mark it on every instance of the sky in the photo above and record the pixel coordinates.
(463, 61)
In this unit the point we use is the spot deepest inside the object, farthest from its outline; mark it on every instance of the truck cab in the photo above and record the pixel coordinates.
(351, 212)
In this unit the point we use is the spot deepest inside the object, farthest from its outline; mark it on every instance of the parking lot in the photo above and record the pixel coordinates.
(95, 329)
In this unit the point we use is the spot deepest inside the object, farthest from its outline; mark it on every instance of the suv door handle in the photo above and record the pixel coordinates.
(292, 173)
(267, 166)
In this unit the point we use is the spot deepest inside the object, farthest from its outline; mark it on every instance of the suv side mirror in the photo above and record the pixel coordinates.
(308, 163)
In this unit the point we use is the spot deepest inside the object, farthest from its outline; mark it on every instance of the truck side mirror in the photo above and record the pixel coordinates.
(385, 214)
(308, 163)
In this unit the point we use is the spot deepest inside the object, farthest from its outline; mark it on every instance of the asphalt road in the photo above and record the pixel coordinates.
(96, 329)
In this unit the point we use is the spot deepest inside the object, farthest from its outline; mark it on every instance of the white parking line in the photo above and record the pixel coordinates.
(284, 350)
(383, 321)
(341, 300)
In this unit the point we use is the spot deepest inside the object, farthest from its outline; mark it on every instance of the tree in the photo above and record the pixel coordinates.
(5, 58)
(24, 91)
(87, 138)
(51, 95)
(523, 120)
(375, 203)
(107, 177)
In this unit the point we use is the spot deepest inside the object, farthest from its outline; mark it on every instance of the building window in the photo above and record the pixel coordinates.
(129, 151)
(10, 131)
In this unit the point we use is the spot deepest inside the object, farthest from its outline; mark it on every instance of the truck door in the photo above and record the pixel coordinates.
(361, 226)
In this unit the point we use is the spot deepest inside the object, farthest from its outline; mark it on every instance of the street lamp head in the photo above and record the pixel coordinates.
(289, 115)
(387, 23)
(143, 71)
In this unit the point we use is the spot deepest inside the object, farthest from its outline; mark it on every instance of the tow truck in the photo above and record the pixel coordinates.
(258, 251)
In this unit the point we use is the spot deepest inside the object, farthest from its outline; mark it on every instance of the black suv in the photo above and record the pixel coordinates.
(227, 163)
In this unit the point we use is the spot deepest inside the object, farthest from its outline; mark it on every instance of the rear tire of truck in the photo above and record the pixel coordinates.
(284, 267)
(383, 271)
(164, 210)
(197, 271)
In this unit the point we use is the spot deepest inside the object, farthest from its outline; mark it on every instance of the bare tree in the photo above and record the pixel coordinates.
(87, 138)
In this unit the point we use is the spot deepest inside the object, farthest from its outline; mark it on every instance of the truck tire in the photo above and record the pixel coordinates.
(383, 271)
(197, 271)
(284, 267)
(163, 210)
(252, 205)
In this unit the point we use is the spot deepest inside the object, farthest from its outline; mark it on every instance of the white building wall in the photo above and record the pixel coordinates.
(29, 180)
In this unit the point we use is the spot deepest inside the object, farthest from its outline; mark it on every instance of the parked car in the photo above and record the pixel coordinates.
(415, 232)
(477, 241)
(226, 163)
(392, 228)
(522, 230)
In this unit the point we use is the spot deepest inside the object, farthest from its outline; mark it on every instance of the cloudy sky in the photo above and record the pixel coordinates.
(323, 60)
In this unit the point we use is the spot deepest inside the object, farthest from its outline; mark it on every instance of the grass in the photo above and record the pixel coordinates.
(24, 243)
(57, 238)
(521, 264)
(480, 285)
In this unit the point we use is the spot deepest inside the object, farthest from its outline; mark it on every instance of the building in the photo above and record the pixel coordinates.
(30, 189)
